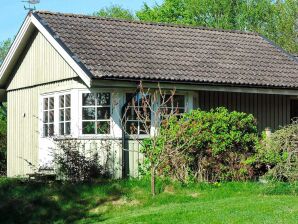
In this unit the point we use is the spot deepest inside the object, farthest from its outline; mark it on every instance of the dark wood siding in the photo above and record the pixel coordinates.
(270, 110)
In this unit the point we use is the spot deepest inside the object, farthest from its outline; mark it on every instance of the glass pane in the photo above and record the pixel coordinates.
(61, 128)
(67, 100)
(103, 127)
(88, 99)
(45, 130)
(51, 129)
(144, 113)
(45, 117)
(51, 103)
(103, 99)
(67, 128)
(51, 116)
(89, 113)
(61, 101)
(131, 114)
(165, 110)
(61, 115)
(145, 128)
(173, 101)
(139, 99)
(129, 98)
(67, 114)
(179, 101)
(45, 103)
(144, 100)
(88, 127)
(132, 127)
(103, 113)
(181, 111)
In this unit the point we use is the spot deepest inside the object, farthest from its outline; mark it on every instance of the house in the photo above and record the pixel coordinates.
(59, 63)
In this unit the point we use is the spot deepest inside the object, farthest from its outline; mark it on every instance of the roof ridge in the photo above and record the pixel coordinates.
(148, 23)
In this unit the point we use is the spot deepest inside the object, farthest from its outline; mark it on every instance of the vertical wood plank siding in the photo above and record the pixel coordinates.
(270, 110)
(23, 128)
(41, 69)
(40, 64)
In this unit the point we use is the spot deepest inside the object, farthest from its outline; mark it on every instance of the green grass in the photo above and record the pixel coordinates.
(131, 202)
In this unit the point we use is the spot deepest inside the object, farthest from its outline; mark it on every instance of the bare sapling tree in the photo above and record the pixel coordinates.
(147, 113)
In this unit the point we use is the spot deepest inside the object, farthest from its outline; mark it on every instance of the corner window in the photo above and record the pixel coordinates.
(96, 113)
(48, 116)
(138, 114)
(65, 114)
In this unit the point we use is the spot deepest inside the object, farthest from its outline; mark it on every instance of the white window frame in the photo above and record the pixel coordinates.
(115, 112)
(188, 106)
(185, 95)
(64, 108)
(56, 96)
(80, 117)
(138, 135)
(41, 118)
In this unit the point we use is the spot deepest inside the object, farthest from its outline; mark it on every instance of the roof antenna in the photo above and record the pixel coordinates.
(31, 5)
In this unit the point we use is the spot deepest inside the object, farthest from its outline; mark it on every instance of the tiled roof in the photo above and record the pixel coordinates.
(110, 48)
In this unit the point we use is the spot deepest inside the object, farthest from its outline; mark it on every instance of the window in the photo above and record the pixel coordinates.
(172, 104)
(65, 114)
(96, 113)
(138, 115)
(48, 116)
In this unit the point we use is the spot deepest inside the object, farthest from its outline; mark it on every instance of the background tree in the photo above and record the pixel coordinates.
(276, 20)
(4, 47)
(115, 11)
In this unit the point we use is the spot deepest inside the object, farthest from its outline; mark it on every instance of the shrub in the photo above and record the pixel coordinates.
(279, 154)
(3, 143)
(208, 145)
(75, 164)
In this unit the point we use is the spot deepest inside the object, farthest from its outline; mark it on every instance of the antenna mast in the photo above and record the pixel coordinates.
(31, 5)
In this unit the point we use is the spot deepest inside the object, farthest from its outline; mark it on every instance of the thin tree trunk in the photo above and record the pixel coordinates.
(153, 180)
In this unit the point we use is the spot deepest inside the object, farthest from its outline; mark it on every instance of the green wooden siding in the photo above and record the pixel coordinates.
(40, 64)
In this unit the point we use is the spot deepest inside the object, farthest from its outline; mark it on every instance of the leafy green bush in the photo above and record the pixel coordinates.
(279, 154)
(208, 145)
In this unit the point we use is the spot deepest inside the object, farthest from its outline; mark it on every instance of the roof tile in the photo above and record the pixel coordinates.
(111, 48)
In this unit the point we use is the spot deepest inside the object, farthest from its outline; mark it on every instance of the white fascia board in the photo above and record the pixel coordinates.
(29, 22)
(14, 47)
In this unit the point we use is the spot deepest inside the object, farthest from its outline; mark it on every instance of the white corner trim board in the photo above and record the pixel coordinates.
(29, 21)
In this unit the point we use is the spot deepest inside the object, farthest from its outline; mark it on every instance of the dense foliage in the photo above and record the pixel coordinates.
(276, 20)
(4, 47)
(278, 155)
(3, 144)
(115, 11)
(208, 145)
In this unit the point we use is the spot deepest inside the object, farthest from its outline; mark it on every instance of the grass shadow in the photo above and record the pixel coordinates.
(31, 202)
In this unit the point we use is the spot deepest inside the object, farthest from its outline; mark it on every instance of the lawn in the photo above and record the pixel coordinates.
(131, 202)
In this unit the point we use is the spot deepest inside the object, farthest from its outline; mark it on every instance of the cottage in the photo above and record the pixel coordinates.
(63, 72)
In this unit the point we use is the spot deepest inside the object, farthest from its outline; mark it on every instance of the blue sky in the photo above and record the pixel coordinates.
(12, 12)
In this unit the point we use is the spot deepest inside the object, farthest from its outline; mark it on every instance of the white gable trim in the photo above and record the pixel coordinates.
(29, 22)
(15, 45)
